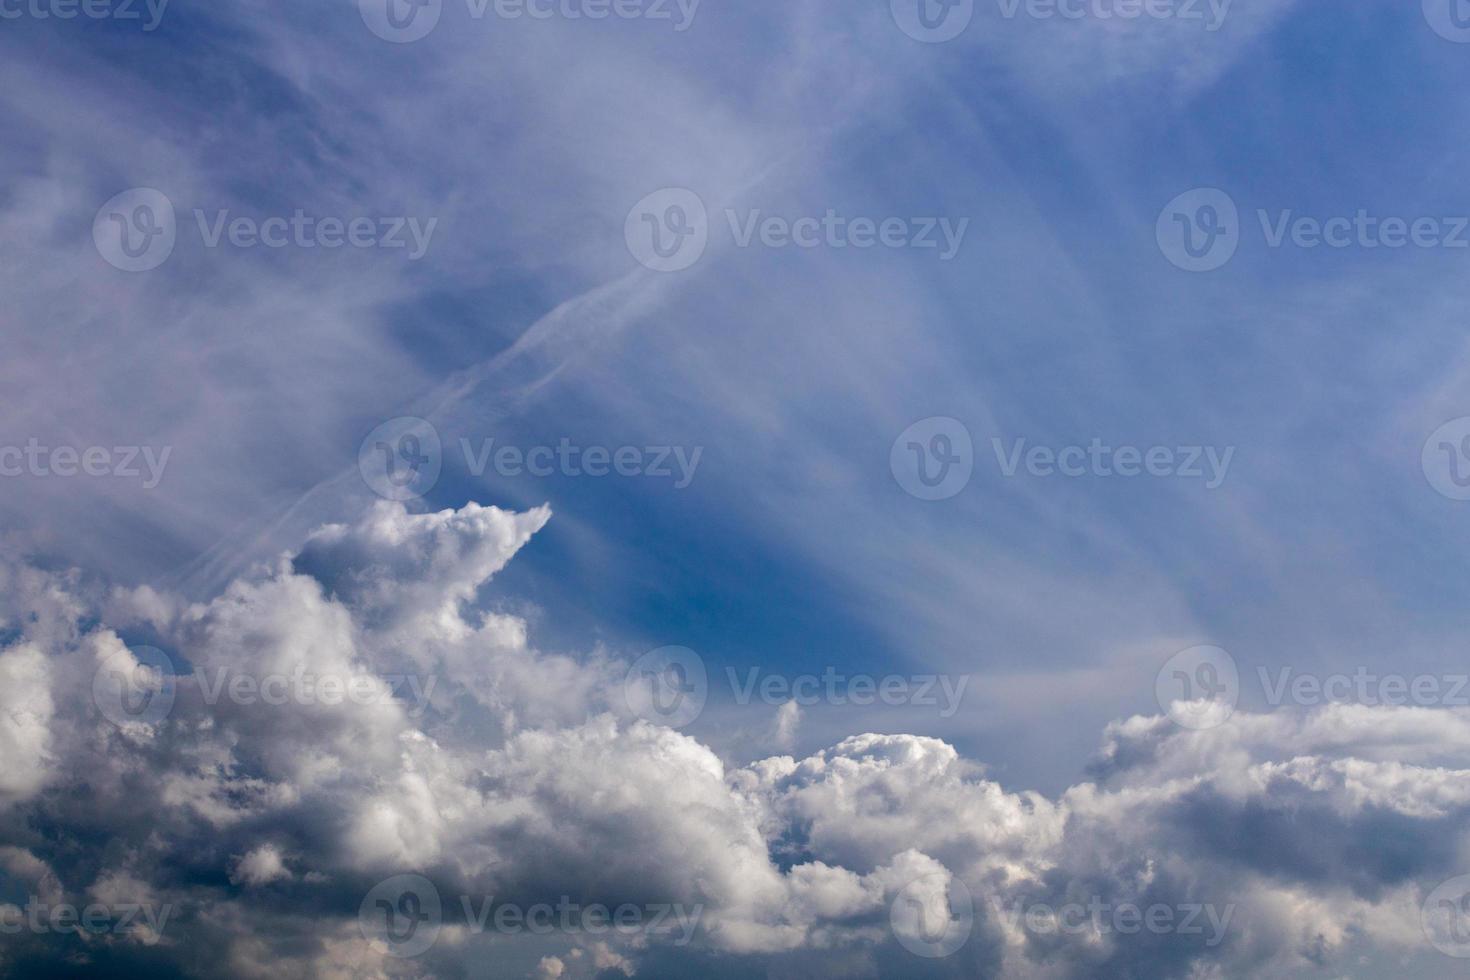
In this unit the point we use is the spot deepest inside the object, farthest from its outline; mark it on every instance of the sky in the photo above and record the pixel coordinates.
(840, 477)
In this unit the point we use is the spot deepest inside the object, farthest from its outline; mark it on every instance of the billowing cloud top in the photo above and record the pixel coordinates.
(254, 774)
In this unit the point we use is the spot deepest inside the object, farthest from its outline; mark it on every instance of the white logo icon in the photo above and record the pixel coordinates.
(1199, 230)
(932, 21)
(934, 458)
(401, 459)
(668, 230)
(400, 21)
(932, 916)
(1445, 916)
(667, 686)
(1446, 459)
(1198, 688)
(1449, 18)
(135, 686)
(402, 915)
(136, 230)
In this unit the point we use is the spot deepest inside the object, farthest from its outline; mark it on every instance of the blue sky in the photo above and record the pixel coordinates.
(1060, 319)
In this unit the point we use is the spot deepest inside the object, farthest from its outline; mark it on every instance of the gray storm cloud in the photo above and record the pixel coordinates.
(258, 823)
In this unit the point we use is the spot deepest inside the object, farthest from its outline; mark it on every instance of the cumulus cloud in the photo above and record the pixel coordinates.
(25, 718)
(259, 867)
(293, 770)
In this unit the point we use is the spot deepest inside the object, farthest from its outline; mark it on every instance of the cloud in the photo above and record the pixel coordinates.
(1300, 838)
(261, 866)
(25, 719)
